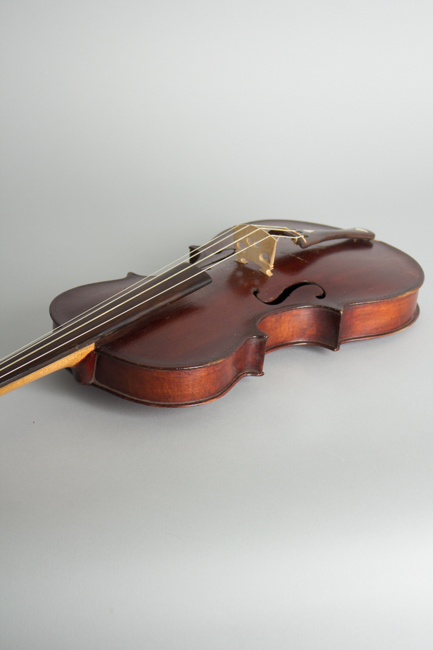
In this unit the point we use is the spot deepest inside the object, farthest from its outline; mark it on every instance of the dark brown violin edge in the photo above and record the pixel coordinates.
(167, 341)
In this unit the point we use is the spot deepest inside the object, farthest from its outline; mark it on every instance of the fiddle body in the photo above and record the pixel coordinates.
(194, 349)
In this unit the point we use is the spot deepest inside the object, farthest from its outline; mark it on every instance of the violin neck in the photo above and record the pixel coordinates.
(44, 368)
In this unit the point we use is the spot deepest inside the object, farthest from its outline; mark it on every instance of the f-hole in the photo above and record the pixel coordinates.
(288, 291)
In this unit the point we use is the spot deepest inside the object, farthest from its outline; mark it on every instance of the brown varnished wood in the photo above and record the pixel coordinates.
(195, 349)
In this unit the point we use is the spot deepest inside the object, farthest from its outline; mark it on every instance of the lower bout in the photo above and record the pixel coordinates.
(180, 386)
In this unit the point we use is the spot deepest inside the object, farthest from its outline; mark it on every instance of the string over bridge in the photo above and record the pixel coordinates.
(254, 244)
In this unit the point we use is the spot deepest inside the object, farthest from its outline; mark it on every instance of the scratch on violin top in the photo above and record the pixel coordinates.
(301, 259)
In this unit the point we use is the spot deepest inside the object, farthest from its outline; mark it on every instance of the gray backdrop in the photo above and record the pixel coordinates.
(295, 512)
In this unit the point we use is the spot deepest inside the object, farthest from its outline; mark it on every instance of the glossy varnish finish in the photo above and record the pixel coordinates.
(195, 349)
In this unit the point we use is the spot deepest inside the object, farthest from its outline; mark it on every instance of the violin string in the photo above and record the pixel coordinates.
(139, 305)
(109, 300)
(123, 292)
(128, 290)
(126, 311)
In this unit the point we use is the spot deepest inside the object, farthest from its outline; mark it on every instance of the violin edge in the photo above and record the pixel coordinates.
(314, 325)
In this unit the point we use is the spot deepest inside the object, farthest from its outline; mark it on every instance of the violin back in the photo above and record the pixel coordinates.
(195, 349)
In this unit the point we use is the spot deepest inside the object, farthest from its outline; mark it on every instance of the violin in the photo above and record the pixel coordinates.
(187, 334)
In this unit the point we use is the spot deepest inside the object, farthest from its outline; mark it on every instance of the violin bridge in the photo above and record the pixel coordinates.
(254, 244)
